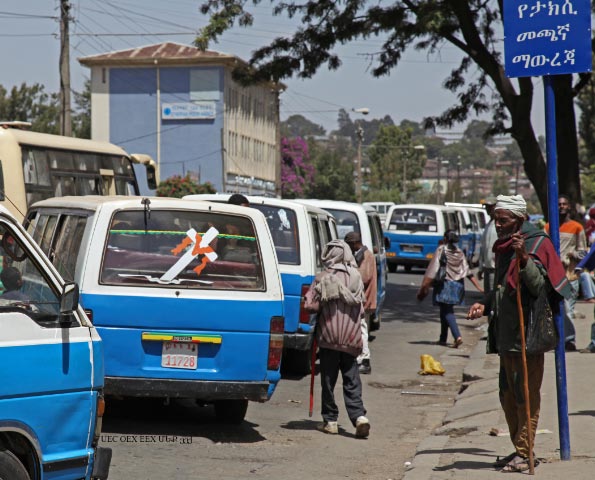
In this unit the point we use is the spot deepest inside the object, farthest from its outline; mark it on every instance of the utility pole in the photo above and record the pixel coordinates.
(438, 163)
(404, 158)
(65, 120)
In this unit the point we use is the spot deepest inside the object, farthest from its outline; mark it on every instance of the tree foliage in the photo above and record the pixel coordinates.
(31, 104)
(296, 169)
(177, 186)
(478, 81)
(300, 126)
(333, 171)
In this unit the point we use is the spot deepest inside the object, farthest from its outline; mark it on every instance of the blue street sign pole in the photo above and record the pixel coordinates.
(552, 203)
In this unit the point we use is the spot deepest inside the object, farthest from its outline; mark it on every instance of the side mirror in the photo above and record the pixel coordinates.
(386, 243)
(151, 177)
(69, 300)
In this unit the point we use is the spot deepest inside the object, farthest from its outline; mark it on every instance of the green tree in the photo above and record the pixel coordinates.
(333, 171)
(478, 81)
(81, 120)
(394, 162)
(177, 186)
(31, 104)
(500, 184)
(300, 126)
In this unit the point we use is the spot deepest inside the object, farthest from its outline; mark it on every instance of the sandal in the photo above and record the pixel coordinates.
(458, 342)
(501, 462)
(518, 464)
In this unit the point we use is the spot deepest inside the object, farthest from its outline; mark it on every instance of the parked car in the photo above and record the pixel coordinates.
(354, 217)
(299, 233)
(51, 380)
(414, 231)
(186, 295)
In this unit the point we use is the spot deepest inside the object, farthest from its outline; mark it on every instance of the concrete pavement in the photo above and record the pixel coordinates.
(463, 448)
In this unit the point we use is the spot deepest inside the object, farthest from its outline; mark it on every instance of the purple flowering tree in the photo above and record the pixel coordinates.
(296, 169)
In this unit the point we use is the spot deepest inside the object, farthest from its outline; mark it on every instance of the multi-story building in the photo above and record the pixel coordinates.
(181, 106)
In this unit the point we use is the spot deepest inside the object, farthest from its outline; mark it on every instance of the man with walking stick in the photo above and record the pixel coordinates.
(526, 264)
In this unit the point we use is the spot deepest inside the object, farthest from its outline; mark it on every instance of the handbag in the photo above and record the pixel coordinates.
(541, 334)
(451, 292)
(440, 277)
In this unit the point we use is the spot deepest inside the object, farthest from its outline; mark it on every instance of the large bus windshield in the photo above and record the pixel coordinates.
(43, 166)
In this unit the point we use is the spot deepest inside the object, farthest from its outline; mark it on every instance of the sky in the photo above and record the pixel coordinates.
(30, 30)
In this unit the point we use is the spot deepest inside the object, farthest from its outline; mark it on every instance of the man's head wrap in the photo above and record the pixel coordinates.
(515, 204)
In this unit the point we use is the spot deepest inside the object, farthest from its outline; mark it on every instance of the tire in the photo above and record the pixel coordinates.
(11, 467)
(392, 267)
(298, 362)
(231, 412)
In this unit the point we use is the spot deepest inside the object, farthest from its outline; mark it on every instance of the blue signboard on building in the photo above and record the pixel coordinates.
(547, 37)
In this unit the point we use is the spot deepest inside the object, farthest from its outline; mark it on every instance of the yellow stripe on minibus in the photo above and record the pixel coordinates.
(181, 338)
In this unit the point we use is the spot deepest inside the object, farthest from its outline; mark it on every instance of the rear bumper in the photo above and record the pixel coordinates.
(198, 389)
(297, 341)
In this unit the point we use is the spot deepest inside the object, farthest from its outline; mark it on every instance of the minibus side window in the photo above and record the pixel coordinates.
(67, 245)
(317, 241)
(26, 290)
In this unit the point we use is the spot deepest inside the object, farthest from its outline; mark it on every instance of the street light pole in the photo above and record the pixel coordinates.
(360, 138)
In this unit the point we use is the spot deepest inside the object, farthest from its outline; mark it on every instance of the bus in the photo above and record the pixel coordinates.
(35, 166)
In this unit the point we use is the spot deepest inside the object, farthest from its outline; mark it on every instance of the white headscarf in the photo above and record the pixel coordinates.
(337, 256)
(515, 204)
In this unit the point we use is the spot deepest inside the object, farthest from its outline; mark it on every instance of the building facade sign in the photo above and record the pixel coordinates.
(189, 111)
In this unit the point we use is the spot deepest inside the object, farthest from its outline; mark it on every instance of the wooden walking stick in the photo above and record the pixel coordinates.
(524, 361)
(312, 374)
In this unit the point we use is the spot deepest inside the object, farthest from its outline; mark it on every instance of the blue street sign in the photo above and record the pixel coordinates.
(547, 37)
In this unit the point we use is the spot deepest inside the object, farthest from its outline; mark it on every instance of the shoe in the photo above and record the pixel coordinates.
(570, 347)
(589, 349)
(458, 342)
(362, 427)
(365, 368)
(328, 427)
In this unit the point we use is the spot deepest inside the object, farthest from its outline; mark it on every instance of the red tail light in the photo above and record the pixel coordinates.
(276, 343)
(89, 314)
(304, 314)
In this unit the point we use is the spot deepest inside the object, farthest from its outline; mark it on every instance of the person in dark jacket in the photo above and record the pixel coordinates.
(539, 268)
(337, 294)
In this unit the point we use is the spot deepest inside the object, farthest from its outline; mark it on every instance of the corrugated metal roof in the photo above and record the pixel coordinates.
(167, 52)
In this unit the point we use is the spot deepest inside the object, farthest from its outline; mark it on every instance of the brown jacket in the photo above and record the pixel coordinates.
(367, 269)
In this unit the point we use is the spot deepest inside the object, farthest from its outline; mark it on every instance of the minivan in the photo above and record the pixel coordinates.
(185, 295)
(365, 220)
(414, 231)
(51, 380)
(299, 233)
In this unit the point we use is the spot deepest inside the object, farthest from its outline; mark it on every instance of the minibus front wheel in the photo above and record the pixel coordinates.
(11, 467)
(231, 411)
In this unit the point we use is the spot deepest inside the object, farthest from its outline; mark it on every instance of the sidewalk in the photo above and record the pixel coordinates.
(462, 447)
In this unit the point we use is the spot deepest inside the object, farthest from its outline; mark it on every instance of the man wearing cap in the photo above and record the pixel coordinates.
(539, 266)
(486, 256)
(366, 264)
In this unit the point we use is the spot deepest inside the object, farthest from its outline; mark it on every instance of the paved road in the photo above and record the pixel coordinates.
(278, 439)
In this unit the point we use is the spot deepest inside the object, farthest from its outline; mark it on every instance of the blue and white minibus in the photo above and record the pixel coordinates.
(51, 379)
(414, 231)
(186, 295)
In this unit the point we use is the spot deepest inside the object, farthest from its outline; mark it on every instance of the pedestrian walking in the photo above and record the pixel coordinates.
(487, 266)
(366, 264)
(450, 290)
(573, 247)
(540, 270)
(337, 295)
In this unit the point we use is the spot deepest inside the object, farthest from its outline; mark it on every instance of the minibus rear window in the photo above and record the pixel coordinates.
(413, 220)
(182, 249)
(282, 223)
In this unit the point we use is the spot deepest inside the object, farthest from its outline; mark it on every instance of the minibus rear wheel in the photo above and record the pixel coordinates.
(231, 411)
(11, 467)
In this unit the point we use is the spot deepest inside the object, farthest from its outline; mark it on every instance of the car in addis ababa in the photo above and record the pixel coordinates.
(51, 380)
(415, 231)
(299, 233)
(186, 295)
(365, 220)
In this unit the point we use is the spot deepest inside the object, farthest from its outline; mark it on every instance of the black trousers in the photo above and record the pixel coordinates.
(331, 362)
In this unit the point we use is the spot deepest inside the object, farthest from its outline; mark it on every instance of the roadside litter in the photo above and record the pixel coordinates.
(430, 366)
